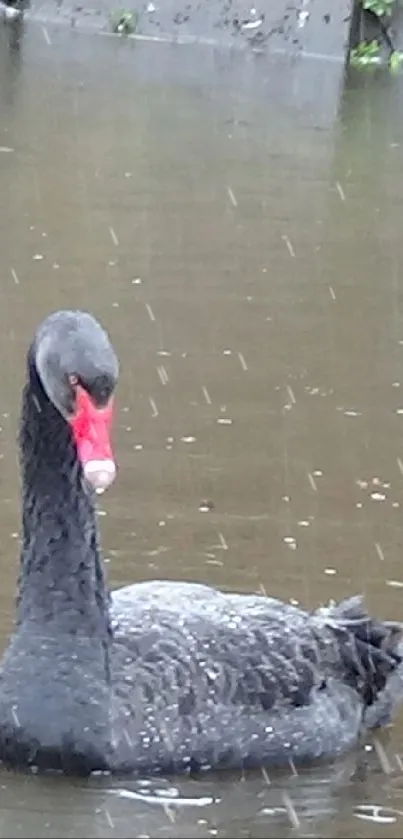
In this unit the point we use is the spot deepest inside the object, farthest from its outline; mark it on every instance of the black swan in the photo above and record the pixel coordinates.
(158, 677)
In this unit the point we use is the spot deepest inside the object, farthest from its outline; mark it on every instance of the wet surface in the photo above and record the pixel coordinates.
(241, 240)
(320, 27)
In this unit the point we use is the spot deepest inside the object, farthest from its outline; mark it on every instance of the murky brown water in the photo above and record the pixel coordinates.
(241, 240)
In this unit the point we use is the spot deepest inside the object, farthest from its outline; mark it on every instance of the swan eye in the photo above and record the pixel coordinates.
(73, 380)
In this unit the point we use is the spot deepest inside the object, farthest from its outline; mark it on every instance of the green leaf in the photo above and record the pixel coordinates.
(381, 8)
(365, 53)
(395, 60)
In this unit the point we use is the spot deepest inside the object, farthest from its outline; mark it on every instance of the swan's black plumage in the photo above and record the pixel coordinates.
(161, 676)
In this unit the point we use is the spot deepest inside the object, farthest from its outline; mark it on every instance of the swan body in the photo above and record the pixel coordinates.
(158, 677)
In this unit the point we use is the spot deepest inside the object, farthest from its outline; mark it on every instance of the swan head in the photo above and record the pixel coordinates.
(78, 369)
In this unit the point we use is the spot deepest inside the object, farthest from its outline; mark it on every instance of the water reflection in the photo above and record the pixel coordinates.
(214, 806)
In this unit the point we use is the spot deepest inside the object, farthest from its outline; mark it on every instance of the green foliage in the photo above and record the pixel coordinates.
(380, 8)
(368, 53)
(365, 53)
(395, 60)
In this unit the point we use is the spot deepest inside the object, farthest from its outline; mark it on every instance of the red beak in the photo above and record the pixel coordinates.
(91, 427)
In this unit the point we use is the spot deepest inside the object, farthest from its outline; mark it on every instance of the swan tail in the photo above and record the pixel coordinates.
(370, 650)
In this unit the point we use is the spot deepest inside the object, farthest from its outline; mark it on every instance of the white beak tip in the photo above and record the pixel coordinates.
(100, 474)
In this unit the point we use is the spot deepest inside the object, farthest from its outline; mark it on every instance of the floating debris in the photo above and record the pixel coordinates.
(206, 506)
(331, 292)
(188, 439)
(14, 276)
(290, 541)
(330, 572)
(394, 583)
(378, 496)
(255, 20)
(252, 24)
(303, 17)
(312, 482)
(224, 421)
(38, 256)
(154, 409)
